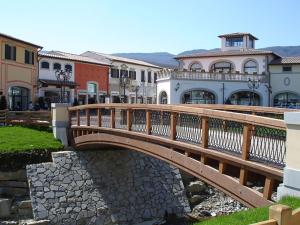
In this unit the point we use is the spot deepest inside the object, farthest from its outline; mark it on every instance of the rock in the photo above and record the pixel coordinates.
(5, 205)
(196, 187)
(195, 199)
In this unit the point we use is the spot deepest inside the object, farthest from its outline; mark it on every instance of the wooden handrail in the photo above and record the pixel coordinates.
(224, 115)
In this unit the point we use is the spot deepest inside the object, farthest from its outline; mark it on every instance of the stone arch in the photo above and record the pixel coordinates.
(163, 99)
(222, 60)
(246, 61)
(194, 63)
(284, 92)
(244, 90)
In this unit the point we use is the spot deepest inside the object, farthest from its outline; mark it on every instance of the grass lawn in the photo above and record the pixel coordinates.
(22, 139)
(249, 216)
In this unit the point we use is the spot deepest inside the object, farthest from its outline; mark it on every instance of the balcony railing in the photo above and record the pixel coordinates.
(194, 75)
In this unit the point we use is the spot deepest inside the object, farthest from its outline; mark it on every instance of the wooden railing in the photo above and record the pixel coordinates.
(248, 137)
(282, 215)
(41, 118)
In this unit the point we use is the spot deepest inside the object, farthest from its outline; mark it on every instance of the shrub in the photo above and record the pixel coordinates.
(3, 103)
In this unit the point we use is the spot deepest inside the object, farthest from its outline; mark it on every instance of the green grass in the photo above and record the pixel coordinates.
(249, 216)
(22, 139)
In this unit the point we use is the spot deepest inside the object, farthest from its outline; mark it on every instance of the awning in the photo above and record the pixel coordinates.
(46, 83)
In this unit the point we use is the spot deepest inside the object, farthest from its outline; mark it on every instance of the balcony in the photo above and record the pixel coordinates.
(210, 76)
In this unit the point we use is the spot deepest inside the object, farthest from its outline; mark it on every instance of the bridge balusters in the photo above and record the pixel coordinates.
(148, 122)
(205, 130)
(188, 128)
(78, 117)
(173, 125)
(139, 120)
(268, 145)
(99, 119)
(129, 119)
(160, 121)
(88, 117)
(121, 118)
(105, 117)
(112, 118)
(268, 188)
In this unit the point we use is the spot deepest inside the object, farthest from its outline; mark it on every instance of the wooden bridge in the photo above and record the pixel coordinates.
(227, 147)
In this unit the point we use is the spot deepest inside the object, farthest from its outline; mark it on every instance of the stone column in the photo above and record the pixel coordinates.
(60, 121)
(291, 176)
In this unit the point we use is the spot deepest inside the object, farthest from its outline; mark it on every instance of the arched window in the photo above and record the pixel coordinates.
(287, 100)
(44, 65)
(195, 67)
(163, 98)
(222, 67)
(244, 98)
(68, 68)
(56, 66)
(198, 97)
(250, 67)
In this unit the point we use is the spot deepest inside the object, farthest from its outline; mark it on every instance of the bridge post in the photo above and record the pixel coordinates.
(291, 175)
(60, 121)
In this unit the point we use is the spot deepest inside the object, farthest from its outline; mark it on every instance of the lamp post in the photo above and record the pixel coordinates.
(62, 77)
(124, 81)
(136, 89)
(253, 84)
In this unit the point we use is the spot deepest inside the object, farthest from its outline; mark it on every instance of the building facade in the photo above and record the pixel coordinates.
(235, 74)
(18, 71)
(130, 81)
(87, 81)
(285, 82)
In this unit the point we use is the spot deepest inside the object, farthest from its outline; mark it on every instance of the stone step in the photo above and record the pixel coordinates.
(14, 192)
(25, 209)
(19, 175)
(17, 184)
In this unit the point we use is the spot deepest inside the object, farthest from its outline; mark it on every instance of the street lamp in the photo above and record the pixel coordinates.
(62, 77)
(253, 84)
(124, 80)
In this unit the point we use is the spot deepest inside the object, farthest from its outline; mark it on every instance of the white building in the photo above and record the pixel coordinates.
(134, 77)
(49, 87)
(220, 76)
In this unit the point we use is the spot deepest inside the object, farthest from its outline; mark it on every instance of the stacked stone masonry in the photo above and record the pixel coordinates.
(105, 187)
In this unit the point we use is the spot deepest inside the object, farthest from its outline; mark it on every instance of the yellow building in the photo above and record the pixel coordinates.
(18, 71)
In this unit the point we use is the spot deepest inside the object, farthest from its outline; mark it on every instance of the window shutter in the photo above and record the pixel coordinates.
(7, 52)
(14, 53)
(32, 58)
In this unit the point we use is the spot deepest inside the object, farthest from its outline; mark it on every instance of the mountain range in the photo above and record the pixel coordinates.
(165, 59)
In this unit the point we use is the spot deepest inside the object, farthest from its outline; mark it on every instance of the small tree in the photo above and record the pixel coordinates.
(3, 103)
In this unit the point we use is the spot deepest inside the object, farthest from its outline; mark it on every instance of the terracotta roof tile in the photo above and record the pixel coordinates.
(237, 34)
(286, 60)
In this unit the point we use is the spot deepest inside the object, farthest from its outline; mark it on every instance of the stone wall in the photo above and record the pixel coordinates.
(105, 187)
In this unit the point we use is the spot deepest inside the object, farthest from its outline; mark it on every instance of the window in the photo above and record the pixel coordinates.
(222, 67)
(163, 98)
(45, 65)
(124, 73)
(132, 75)
(29, 57)
(114, 73)
(244, 98)
(287, 68)
(10, 52)
(155, 77)
(287, 100)
(142, 76)
(234, 42)
(251, 43)
(198, 97)
(68, 68)
(149, 77)
(195, 67)
(250, 67)
(56, 66)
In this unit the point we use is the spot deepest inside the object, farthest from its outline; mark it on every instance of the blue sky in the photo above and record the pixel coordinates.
(173, 26)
